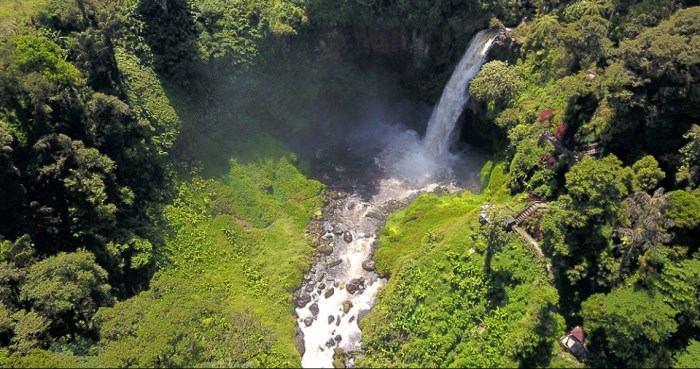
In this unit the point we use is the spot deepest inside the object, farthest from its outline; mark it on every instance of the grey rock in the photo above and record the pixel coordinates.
(325, 249)
(299, 341)
(352, 319)
(333, 263)
(330, 343)
(356, 285)
(347, 236)
(314, 309)
(302, 299)
(337, 230)
(308, 321)
(368, 265)
(338, 338)
(309, 287)
(327, 227)
(331, 319)
(329, 292)
(321, 286)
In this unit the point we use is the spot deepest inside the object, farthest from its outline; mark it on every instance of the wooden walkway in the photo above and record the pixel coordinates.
(529, 211)
(574, 157)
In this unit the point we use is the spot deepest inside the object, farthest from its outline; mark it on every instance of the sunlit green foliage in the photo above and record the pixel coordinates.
(495, 84)
(690, 357)
(459, 297)
(689, 172)
(94, 95)
(626, 327)
(67, 290)
(234, 254)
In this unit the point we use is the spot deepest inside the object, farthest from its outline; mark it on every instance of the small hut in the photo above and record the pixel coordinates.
(573, 342)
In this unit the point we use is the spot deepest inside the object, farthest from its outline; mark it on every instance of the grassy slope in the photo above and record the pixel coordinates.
(14, 12)
(440, 307)
(234, 250)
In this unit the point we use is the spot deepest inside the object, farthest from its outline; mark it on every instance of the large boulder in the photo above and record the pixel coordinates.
(333, 263)
(301, 299)
(356, 285)
(325, 249)
(327, 227)
(299, 341)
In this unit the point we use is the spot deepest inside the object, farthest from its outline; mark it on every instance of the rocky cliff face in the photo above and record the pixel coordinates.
(418, 57)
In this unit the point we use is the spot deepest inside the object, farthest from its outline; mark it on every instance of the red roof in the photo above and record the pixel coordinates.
(578, 333)
(546, 115)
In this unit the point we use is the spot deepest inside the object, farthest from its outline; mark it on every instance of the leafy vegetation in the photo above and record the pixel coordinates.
(151, 213)
(595, 75)
(458, 295)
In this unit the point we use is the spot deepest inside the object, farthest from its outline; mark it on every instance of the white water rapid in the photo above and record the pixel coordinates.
(342, 286)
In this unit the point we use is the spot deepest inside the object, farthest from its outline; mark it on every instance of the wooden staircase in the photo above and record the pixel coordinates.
(529, 211)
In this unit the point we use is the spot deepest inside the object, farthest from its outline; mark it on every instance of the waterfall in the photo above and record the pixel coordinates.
(454, 97)
(342, 286)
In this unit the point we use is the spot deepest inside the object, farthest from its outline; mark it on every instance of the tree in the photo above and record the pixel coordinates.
(645, 226)
(67, 289)
(690, 357)
(12, 195)
(598, 186)
(678, 284)
(30, 331)
(587, 39)
(11, 278)
(495, 84)
(689, 171)
(628, 328)
(544, 31)
(664, 61)
(66, 169)
(226, 35)
(685, 211)
(647, 174)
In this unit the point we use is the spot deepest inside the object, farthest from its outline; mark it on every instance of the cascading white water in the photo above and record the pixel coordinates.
(432, 159)
(341, 286)
(455, 96)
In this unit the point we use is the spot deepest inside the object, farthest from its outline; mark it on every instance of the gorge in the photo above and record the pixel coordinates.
(341, 288)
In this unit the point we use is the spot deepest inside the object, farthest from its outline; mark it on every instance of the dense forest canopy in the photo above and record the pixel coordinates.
(153, 213)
